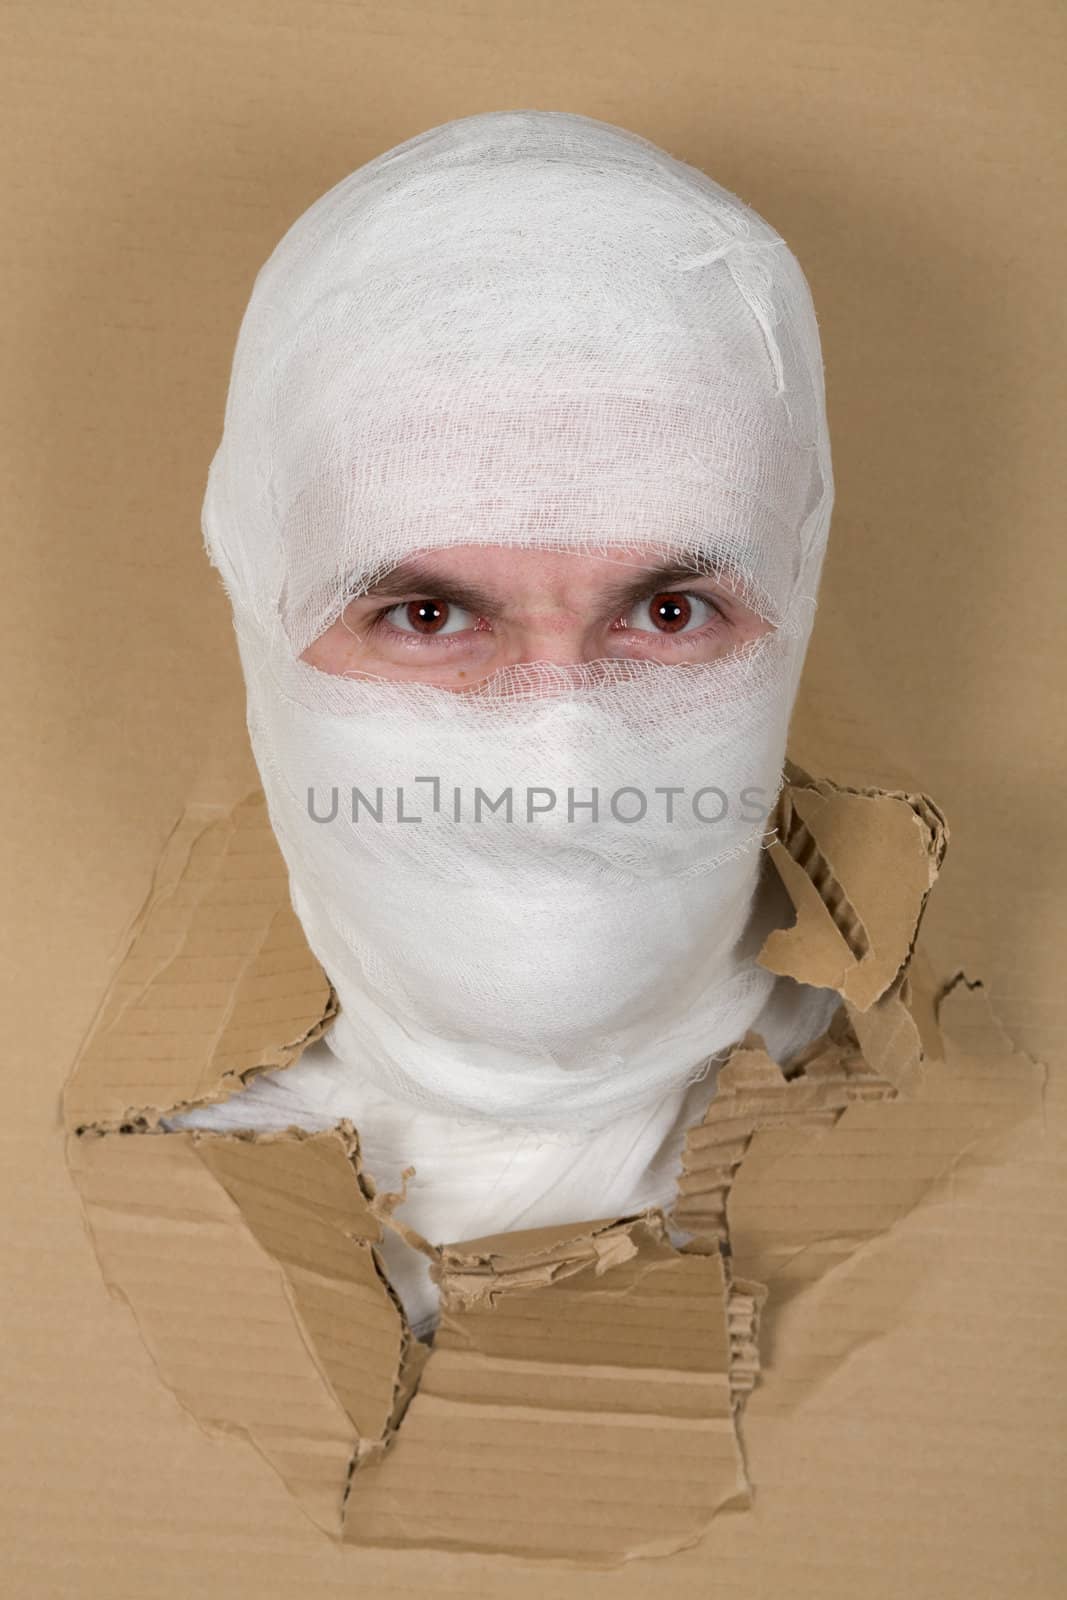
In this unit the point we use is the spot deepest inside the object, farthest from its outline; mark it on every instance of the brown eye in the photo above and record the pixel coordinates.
(670, 612)
(430, 618)
(427, 616)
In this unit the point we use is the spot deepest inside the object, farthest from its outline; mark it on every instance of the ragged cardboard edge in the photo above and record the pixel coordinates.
(863, 1056)
(877, 1054)
(492, 1406)
(795, 1177)
(375, 1209)
(304, 1295)
(217, 983)
(384, 1206)
(899, 1032)
(981, 1104)
(474, 1275)
(858, 865)
(148, 1118)
(753, 1092)
(169, 871)
(476, 1271)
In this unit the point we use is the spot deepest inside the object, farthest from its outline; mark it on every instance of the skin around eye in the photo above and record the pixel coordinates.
(669, 613)
(511, 605)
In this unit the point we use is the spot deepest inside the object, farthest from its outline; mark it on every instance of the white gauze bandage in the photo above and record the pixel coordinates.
(534, 329)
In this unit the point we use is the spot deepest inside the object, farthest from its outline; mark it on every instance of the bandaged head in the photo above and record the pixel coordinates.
(528, 329)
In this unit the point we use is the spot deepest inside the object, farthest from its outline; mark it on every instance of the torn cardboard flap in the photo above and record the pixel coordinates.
(858, 865)
(475, 1271)
(217, 985)
(586, 1381)
(576, 1404)
(248, 1264)
(796, 1175)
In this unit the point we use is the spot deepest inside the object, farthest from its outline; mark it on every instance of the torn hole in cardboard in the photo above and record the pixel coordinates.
(587, 1383)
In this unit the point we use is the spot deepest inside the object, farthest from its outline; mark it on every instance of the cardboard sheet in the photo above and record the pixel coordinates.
(908, 153)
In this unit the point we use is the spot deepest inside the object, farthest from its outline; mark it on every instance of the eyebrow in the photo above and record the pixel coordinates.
(420, 577)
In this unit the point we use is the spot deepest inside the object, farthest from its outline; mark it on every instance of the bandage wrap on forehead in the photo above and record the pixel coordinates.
(525, 329)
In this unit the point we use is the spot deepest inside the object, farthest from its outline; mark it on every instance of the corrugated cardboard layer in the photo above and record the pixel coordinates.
(577, 1403)
(858, 865)
(752, 1092)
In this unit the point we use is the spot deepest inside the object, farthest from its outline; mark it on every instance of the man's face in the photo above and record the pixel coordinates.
(453, 617)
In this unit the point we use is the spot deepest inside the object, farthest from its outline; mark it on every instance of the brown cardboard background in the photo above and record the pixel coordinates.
(154, 156)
